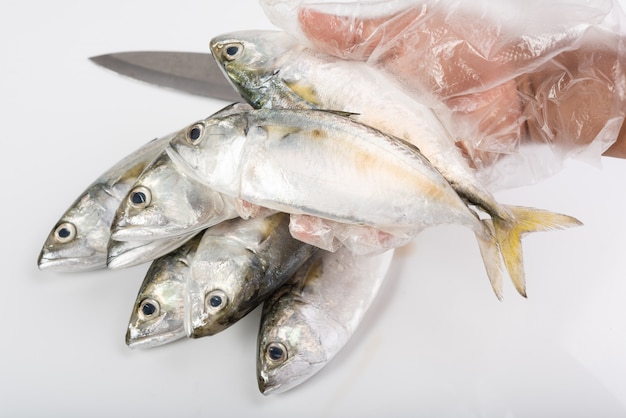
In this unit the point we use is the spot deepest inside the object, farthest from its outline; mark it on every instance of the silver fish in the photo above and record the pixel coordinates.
(79, 240)
(308, 320)
(237, 265)
(320, 163)
(158, 313)
(325, 164)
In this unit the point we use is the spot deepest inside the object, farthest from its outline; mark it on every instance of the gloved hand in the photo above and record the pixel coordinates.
(502, 76)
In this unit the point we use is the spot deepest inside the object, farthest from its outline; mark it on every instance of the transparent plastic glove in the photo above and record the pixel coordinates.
(503, 76)
(331, 236)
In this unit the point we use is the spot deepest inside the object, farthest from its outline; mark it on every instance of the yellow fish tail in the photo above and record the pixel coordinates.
(509, 236)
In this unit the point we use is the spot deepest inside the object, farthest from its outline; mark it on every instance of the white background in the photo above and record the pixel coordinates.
(435, 343)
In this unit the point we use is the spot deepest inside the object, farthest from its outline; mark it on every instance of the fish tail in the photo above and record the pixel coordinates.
(509, 236)
(489, 250)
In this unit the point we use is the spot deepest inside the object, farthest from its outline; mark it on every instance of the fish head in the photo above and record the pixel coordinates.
(258, 64)
(210, 149)
(294, 343)
(165, 202)
(158, 313)
(218, 288)
(78, 241)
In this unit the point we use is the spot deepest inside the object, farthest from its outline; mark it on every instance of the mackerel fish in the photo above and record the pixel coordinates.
(157, 317)
(237, 265)
(325, 164)
(309, 319)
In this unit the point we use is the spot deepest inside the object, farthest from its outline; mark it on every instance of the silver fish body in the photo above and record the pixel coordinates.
(310, 318)
(79, 240)
(157, 317)
(236, 266)
(322, 164)
(164, 202)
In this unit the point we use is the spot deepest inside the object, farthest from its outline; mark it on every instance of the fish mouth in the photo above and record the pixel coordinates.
(72, 264)
(268, 386)
(274, 380)
(132, 253)
(120, 257)
(124, 254)
(154, 340)
(154, 232)
(265, 387)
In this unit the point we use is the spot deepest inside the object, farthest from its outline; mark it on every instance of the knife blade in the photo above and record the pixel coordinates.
(191, 72)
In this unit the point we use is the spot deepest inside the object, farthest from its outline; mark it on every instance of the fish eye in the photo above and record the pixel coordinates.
(215, 300)
(139, 197)
(65, 232)
(149, 308)
(275, 352)
(194, 133)
(232, 51)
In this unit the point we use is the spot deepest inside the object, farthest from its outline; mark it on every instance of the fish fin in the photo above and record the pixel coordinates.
(339, 112)
(509, 235)
(489, 250)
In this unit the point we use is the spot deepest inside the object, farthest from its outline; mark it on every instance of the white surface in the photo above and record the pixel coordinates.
(435, 343)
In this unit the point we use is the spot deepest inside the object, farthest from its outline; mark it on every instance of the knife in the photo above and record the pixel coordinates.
(190, 72)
